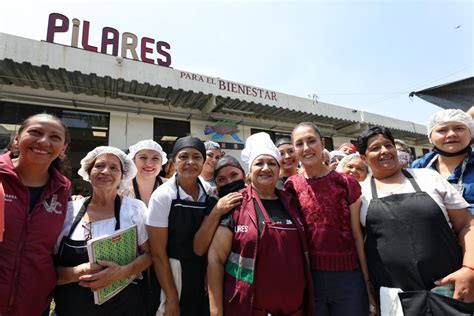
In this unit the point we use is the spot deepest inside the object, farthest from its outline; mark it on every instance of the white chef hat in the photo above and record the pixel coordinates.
(147, 144)
(129, 170)
(447, 116)
(257, 145)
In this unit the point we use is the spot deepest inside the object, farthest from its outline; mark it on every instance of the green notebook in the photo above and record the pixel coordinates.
(119, 247)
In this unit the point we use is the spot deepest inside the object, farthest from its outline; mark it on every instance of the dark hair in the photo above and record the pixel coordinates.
(310, 125)
(364, 138)
(227, 161)
(62, 162)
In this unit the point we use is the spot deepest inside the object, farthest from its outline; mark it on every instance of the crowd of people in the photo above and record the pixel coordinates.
(304, 231)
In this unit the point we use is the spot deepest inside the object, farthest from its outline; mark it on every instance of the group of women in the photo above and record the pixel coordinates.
(273, 241)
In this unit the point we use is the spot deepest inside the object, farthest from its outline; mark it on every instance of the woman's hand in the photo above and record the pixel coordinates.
(97, 280)
(73, 274)
(171, 308)
(373, 309)
(76, 197)
(87, 268)
(228, 202)
(463, 280)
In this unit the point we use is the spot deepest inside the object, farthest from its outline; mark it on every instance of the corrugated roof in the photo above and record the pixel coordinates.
(56, 68)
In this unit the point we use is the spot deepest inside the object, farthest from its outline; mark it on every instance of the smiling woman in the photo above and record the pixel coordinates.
(36, 195)
(213, 154)
(148, 157)
(100, 215)
(258, 243)
(177, 211)
(407, 207)
(450, 132)
(330, 205)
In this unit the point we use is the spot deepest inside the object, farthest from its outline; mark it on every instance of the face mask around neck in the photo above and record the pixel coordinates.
(231, 187)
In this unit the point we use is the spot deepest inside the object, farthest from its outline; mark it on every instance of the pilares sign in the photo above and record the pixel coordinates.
(150, 50)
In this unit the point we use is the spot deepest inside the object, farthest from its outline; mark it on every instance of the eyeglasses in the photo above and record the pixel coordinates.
(87, 230)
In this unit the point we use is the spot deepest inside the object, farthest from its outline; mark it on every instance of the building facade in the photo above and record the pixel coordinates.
(117, 101)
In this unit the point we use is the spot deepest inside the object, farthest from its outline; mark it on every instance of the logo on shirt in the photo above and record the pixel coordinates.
(52, 207)
(241, 229)
(10, 197)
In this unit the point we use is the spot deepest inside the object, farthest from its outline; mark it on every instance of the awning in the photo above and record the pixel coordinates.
(32, 70)
(453, 95)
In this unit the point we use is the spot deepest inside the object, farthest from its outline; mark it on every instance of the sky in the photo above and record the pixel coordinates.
(364, 55)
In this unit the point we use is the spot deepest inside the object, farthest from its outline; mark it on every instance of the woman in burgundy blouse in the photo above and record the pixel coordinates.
(330, 205)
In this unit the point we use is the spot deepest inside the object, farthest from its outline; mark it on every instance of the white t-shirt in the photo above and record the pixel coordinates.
(429, 181)
(160, 201)
(132, 212)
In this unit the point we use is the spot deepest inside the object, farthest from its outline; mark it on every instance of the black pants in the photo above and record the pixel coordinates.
(340, 293)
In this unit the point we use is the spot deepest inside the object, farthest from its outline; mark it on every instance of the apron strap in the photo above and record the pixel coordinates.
(136, 191)
(259, 206)
(373, 188)
(117, 204)
(79, 215)
(412, 180)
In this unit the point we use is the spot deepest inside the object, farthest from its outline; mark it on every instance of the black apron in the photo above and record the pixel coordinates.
(409, 244)
(136, 190)
(184, 220)
(72, 299)
(149, 287)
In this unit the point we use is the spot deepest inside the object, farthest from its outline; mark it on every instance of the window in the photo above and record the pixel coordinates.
(87, 129)
(328, 143)
(273, 135)
(166, 132)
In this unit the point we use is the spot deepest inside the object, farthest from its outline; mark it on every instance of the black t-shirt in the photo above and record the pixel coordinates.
(35, 194)
(275, 210)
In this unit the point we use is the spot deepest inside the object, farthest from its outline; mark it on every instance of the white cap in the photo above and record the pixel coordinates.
(336, 153)
(147, 144)
(129, 170)
(344, 161)
(211, 145)
(448, 116)
(257, 145)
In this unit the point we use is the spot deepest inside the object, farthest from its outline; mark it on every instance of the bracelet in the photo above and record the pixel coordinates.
(470, 268)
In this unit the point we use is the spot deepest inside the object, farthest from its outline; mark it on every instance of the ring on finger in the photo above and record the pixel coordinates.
(372, 309)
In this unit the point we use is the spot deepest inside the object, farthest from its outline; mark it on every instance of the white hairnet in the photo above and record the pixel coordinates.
(147, 144)
(211, 145)
(257, 145)
(448, 116)
(344, 161)
(336, 153)
(129, 170)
